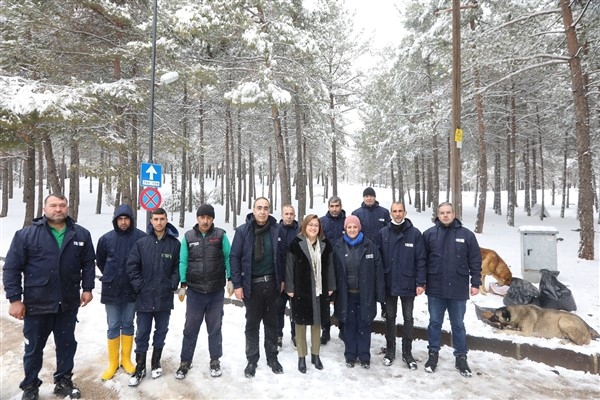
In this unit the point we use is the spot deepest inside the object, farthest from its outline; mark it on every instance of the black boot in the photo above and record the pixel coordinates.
(302, 364)
(64, 387)
(325, 336)
(155, 363)
(390, 353)
(316, 360)
(407, 356)
(140, 369)
(31, 391)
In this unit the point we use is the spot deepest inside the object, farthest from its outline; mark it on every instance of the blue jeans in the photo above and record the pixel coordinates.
(357, 332)
(36, 329)
(144, 326)
(120, 319)
(199, 307)
(456, 311)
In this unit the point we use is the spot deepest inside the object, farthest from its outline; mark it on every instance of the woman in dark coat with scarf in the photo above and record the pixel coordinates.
(360, 286)
(309, 281)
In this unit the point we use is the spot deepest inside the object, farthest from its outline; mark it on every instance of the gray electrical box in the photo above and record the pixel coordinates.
(538, 251)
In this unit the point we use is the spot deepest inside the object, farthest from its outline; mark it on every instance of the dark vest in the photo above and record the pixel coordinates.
(206, 263)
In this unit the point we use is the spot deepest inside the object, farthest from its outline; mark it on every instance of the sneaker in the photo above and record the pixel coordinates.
(65, 387)
(389, 357)
(409, 361)
(275, 366)
(183, 369)
(350, 363)
(31, 392)
(215, 368)
(279, 343)
(365, 364)
(250, 370)
(294, 341)
(432, 361)
(462, 366)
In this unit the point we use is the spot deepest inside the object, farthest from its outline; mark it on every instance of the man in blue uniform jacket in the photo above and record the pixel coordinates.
(46, 267)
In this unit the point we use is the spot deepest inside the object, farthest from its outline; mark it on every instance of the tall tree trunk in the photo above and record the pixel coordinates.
(564, 175)
(4, 163)
(498, 178)
(285, 190)
(202, 149)
(310, 177)
(74, 197)
(534, 178)
(240, 172)
(40, 183)
(543, 186)
(334, 174)
(582, 129)
(227, 168)
(101, 178)
(184, 160)
(417, 184)
(300, 171)
(135, 166)
(510, 162)
(482, 175)
(29, 182)
(527, 204)
(393, 178)
(52, 174)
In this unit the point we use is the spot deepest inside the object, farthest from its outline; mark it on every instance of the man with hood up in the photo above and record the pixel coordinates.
(118, 295)
(153, 270)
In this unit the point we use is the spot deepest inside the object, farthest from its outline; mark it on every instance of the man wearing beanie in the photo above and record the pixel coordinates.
(404, 258)
(203, 269)
(257, 274)
(372, 216)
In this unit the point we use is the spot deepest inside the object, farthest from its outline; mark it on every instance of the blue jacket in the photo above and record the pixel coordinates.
(111, 257)
(404, 259)
(288, 233)
(45, 276)
(370, 276)
(452, 256)
(333, 227)
(372, 219)
(240, 258)
(153, 270)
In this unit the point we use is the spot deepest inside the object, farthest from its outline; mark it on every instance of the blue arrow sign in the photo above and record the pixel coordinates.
(151, 175)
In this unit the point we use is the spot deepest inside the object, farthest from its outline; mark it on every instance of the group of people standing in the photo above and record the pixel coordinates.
(355, 262)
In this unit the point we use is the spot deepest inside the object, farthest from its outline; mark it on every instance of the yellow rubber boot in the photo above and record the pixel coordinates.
(113, 358)
(126, 345)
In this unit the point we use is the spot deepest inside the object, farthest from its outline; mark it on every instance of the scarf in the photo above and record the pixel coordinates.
(258, 241)
(315, 261)
(353, 242)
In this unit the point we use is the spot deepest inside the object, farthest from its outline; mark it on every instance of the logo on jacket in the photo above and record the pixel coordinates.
(80, 244)
(460, 240)
(369, 256)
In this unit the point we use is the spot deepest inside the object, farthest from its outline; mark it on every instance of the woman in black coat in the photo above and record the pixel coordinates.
(309, 281)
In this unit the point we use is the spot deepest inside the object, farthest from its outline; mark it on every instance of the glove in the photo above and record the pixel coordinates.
(181, 292)
(383, 311)
(229, 288)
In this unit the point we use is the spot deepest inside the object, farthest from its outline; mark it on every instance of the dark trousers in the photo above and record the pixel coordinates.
(357, 332)
(201, 306)
(262, 305)
(391, 309)
(144, 327)
(283, 299)
(36, 329)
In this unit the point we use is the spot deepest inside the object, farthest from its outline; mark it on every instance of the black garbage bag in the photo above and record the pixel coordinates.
(521, 292)
(554, 294)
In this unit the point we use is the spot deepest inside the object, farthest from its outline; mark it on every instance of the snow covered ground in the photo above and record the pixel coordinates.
(494, 376)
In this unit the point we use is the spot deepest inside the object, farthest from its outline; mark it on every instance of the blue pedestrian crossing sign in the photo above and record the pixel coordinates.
(151, 175)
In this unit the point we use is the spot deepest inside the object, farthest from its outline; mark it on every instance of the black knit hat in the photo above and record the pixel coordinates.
(206, 209)
(369, 192)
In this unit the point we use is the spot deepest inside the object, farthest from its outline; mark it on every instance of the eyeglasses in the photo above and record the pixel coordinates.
(313, 225)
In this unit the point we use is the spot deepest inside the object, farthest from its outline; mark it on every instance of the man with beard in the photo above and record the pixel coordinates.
(47, 265)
